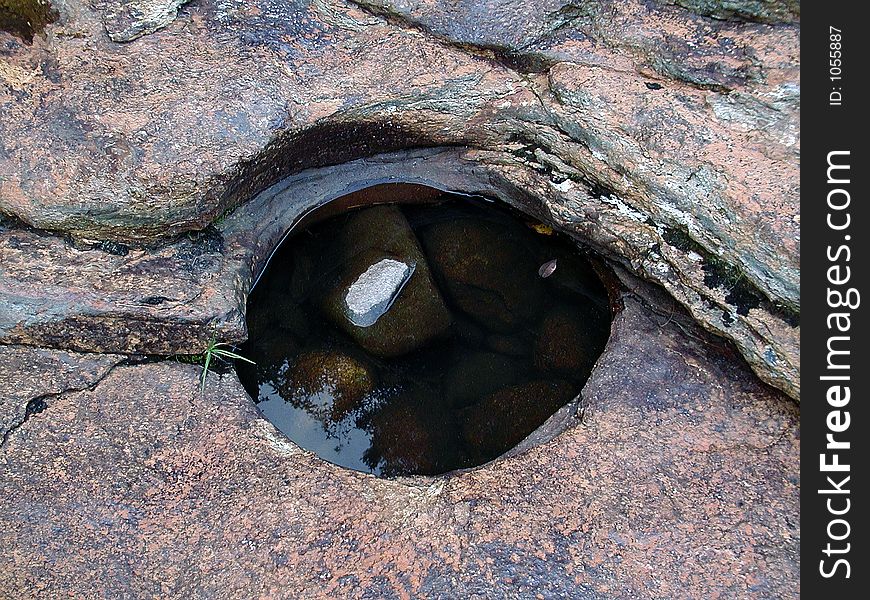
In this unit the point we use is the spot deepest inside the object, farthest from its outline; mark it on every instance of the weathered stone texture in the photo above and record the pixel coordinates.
(152, 155)
(686, 126)
(680, 482)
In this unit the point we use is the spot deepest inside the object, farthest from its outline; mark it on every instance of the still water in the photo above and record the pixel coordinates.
(421, 337)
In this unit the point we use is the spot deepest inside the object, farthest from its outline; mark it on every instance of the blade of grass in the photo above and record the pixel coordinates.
(205, 369)
(228, 354)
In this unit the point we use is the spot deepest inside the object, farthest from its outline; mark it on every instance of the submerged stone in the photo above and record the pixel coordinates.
(467, 330)
(510, 344)
(416, 312)
(507, 417)
(330, 383)
(476, 376)
(569, 342)
(487, 270)
(412, 434)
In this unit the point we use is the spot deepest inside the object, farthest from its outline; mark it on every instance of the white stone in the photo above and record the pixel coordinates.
(373, 292)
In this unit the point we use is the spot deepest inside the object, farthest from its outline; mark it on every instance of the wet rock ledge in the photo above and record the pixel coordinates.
(153, 153)
(666, 137)
(681, 481)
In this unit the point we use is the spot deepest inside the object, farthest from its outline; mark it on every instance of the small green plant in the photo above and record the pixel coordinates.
(217, 349)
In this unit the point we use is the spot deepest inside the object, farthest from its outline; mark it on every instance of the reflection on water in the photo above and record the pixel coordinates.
(421, 338)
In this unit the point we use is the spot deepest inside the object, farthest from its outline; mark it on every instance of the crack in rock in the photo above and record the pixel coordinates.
(34, 406)
(40, 403)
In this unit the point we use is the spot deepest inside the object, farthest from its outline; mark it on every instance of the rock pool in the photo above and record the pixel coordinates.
(421, 337)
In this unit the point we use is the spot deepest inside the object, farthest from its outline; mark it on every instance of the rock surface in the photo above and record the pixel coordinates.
(664, 135)
(680, 482)
(51, 372)
(228, 261)
(667, 138)
(111, 298)
(126, 20)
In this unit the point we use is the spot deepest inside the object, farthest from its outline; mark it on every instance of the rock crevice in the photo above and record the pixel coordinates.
(41, 375)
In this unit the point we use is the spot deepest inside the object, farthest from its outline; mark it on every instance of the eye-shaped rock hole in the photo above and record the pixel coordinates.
(427, 333)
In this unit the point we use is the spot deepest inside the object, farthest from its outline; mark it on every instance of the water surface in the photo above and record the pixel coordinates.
(495, 324)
